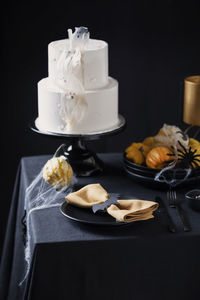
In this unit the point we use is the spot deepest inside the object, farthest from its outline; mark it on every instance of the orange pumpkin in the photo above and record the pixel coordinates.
(158, 156)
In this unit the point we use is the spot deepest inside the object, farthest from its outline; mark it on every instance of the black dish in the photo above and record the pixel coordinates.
(180, 174)
(132, 165)
(86, 215)
(152, 183)
(193, 198)
(145, 175)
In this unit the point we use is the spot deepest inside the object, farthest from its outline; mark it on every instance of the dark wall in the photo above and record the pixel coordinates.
(153, 46)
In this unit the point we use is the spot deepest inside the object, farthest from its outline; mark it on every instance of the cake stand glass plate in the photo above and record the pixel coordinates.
(86, 215)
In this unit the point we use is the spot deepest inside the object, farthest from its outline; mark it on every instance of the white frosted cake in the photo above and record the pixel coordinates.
(78, 96)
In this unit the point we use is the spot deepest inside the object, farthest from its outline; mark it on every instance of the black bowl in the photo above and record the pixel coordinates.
(147, 175)
(146, 169)
(193, 198)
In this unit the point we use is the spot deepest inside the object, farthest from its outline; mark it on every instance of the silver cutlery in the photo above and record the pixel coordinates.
(172, 198)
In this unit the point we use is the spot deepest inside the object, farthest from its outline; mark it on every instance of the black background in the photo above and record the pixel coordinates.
(153, 46)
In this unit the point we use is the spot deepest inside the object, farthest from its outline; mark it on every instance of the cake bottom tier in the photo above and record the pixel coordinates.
(97, 111)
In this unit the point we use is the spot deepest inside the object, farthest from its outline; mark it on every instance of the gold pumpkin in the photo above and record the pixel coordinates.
(144, 149)
(149, 141)
(157, 157)
(136, 156)
(197, 152)
(193, 143)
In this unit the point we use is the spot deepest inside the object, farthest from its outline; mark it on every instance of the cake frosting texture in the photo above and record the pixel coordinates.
(78, 96)
(95, 62)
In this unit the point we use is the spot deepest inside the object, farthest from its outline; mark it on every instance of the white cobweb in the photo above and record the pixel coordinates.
(40, 195)
(171, 175)
(70, 79)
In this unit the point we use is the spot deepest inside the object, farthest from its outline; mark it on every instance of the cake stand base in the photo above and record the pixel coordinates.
(83, 161)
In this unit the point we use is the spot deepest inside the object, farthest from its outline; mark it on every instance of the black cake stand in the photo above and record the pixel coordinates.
(83, 161)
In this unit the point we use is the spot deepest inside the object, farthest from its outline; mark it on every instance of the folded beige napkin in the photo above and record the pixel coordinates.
(132, 210)
(88, 196)
(125, 211)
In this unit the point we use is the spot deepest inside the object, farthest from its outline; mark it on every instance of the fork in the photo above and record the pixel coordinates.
(172, 197)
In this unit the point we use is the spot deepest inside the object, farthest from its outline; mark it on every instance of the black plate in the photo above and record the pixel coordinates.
(193, 199)
(86, 215)
(180, 174)
(146, 170)
(148, 179)
(145, 175)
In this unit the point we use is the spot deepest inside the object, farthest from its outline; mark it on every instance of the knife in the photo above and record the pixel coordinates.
(186, 225)
(162, 206)
(102, 206)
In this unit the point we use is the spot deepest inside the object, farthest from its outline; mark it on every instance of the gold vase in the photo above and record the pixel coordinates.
(191, 107)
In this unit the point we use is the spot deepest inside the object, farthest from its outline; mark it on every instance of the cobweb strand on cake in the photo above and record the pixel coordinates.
(69, 77)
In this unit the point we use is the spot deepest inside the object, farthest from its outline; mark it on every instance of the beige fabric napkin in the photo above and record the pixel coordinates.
(132, 210)
(88, 196)
(125, 211)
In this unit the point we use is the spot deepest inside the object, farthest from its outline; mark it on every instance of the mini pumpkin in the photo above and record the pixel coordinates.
(158, 156)
(144, 149)
(193, 142)
(196, 162)
(129, 148)
(136, 156)
(189, 158)
(149, 141)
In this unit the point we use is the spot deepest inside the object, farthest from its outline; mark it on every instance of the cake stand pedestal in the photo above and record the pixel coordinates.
(83, 161)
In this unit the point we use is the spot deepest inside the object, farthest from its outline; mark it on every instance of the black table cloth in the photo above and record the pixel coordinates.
(71, 260)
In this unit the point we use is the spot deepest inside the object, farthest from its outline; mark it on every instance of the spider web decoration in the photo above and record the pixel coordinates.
(70, 78)
(40, 195)
(168, 175)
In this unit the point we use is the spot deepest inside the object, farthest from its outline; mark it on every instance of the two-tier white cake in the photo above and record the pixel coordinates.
(78, 96)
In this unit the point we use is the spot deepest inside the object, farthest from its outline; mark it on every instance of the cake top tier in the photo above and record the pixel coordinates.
(92, 45)
(78, 58)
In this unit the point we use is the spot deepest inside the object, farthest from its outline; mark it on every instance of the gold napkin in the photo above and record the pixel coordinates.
(88, 196)
(132, 210)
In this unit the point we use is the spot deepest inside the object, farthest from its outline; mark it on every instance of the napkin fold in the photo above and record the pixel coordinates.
(132, 210)
(88, 196)
(125, 211)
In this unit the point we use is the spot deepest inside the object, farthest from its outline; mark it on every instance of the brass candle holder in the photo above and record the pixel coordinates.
(191, 107)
